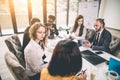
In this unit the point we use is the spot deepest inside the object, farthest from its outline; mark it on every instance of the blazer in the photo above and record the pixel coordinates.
(26, 38)
(104, 41)
(52, 32)
(33, 58)
(46, 76)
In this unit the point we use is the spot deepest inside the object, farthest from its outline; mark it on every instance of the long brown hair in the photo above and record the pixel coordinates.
(76, 25)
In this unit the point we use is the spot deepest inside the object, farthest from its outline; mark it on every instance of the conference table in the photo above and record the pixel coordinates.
(98, 71)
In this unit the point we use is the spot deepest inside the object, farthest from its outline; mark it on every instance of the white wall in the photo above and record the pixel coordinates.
(110, 11)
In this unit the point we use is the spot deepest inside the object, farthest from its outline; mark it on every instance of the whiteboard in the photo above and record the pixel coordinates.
(89, 10)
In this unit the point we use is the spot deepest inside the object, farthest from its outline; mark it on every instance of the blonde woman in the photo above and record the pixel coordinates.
(35, 51)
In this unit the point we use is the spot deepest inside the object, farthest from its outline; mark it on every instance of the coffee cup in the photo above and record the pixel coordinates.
(112, 75)
(93, 73)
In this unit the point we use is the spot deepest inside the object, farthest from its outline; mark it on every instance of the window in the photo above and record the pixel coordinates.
(61, 12)
(50, 7)
(16, 14)
(37, 9)
(73, 10)
(5, 18)
(21, 13)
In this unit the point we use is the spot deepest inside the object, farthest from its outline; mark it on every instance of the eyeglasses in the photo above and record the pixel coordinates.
(96, 25)
(40, 32)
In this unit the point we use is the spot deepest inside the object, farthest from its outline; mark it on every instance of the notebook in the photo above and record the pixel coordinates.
(92, 57)
(114, 65)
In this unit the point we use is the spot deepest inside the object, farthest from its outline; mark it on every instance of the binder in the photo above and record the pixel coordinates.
(114, 65)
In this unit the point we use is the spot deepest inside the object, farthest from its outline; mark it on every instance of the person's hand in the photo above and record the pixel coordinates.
(71, 37)
(52, 29)
(49, 27)
(87, 44)
(83, 76)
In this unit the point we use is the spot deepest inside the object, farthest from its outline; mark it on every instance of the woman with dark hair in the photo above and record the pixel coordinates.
(78, 31)
(65, 63)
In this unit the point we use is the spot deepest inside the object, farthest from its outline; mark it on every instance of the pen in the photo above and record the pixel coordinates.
(83, 71)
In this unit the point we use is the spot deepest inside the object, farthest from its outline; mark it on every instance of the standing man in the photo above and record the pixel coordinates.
(51, 27)
(101, 39)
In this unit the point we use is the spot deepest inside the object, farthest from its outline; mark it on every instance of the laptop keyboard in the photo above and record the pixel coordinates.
(92, 57)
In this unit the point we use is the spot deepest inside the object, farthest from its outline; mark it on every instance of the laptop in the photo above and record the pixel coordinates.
(93, 58)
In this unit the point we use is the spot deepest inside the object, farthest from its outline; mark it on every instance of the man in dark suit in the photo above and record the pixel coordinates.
(51, 27)
(101, 39)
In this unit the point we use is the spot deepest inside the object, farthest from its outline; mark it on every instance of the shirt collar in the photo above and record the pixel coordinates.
(101, 31)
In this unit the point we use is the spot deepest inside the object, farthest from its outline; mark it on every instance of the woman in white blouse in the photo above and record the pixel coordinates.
(35, 51)
(78, 31)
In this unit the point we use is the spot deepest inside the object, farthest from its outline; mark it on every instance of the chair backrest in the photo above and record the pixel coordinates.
(115, 44)
(89, 33)
(14, 46)
(16, 69)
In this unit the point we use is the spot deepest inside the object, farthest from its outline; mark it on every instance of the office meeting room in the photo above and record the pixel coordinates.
(59, 40)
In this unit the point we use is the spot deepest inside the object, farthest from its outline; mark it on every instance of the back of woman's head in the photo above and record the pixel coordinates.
(66, 59)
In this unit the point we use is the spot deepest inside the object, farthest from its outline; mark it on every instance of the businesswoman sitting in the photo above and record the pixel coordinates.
(78, 31)
(65, 63)
(35, 51)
